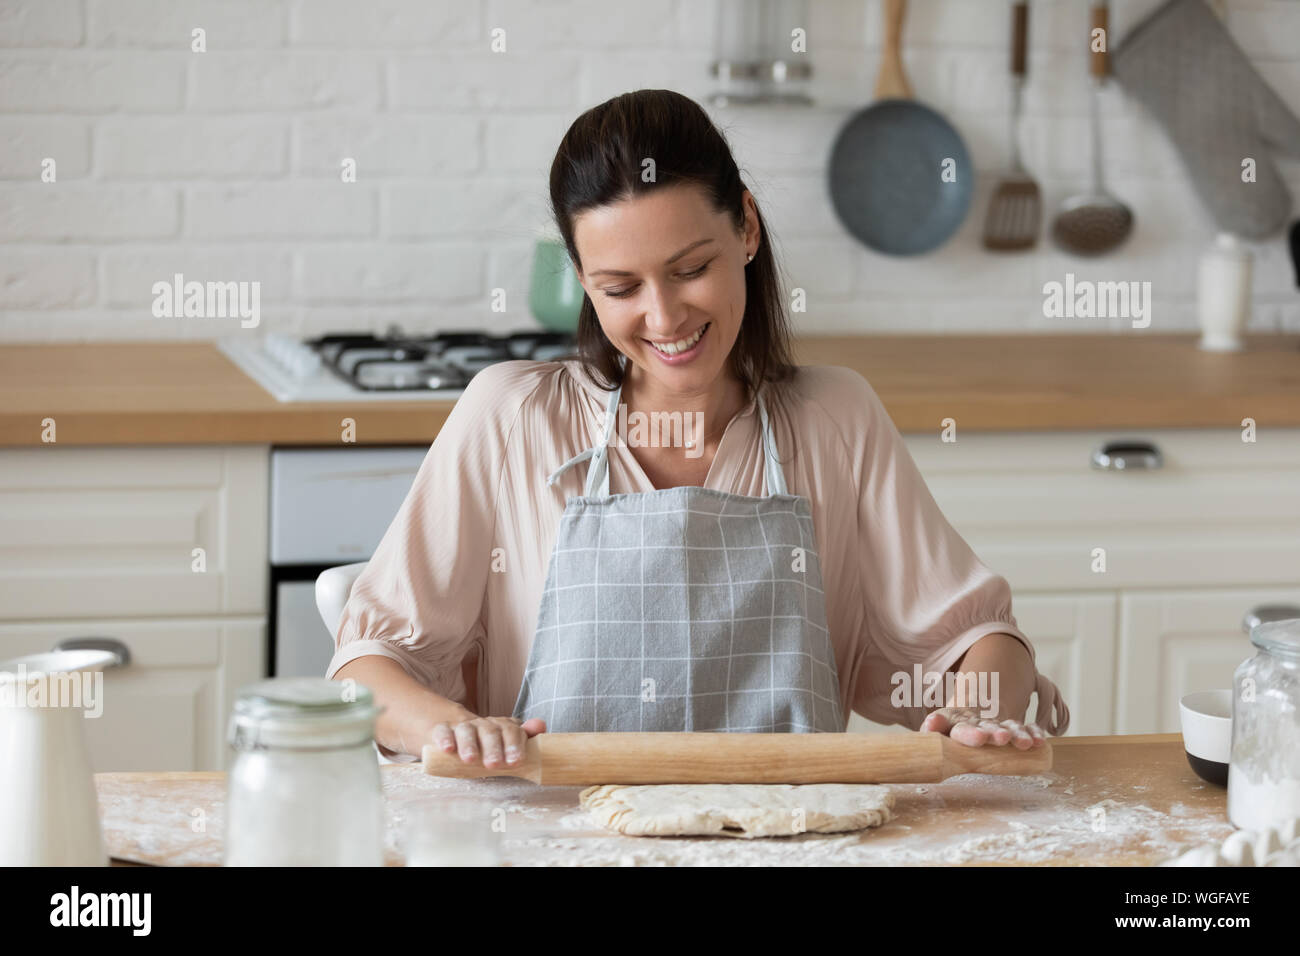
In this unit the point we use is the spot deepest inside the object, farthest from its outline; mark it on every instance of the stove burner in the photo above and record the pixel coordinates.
(396, 361)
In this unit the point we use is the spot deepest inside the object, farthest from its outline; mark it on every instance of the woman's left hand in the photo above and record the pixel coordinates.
(966, 726)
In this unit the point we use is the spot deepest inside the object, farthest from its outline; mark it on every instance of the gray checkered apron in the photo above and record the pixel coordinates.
(682, 609)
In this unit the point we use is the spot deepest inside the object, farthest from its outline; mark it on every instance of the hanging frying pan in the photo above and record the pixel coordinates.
(887, 165)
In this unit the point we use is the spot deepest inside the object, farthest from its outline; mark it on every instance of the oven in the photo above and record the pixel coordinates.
(329, 506)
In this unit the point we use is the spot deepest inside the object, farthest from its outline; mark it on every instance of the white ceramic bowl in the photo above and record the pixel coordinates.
(1207, 733)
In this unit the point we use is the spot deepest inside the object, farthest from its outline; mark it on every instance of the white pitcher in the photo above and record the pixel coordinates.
(49, 812)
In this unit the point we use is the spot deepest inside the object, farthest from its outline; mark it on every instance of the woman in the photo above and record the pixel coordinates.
(781, 564)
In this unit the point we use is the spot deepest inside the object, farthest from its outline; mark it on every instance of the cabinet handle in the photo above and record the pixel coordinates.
(1127, 455)
(1264, 613)
(110, 644)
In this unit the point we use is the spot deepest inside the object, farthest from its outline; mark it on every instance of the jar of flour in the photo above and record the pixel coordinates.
(304, 786)
(1264, 772)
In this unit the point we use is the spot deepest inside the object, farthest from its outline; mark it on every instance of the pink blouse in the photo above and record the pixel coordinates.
(465, 559)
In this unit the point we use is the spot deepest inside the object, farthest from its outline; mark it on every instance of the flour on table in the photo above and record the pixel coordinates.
(738, 810)
(971, 818)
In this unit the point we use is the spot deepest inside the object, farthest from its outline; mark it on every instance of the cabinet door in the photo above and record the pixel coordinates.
(1074, 646)
(112, 532)
(168, 709)
(1176, 642)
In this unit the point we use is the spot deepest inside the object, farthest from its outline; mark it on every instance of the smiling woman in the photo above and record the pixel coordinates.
(630, 180)
(780, 567)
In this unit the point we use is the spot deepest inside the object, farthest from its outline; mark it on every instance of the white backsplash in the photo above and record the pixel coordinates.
(224, 165)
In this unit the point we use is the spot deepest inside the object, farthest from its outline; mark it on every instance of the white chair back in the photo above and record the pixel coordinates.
(333, 586)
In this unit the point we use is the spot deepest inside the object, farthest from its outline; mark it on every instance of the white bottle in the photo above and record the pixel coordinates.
(1223, 293)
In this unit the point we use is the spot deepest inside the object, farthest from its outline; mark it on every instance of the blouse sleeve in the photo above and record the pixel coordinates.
(927, 596)
(420, 599)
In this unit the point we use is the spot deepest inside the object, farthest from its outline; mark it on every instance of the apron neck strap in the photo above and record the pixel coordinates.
(773, 473)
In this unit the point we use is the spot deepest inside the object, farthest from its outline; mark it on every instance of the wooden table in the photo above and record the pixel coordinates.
(1109, 801)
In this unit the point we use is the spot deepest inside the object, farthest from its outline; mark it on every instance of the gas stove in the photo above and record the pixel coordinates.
(395, 366)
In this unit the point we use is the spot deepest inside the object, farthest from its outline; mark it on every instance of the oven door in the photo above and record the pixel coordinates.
(329, 506)
(303, 644)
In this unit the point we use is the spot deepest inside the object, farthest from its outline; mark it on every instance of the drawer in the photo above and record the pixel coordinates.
(1219, 511)
(168, 708)
(112, 532)
(332, 506)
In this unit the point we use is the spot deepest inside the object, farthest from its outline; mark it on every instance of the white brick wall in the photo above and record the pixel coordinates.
(225, 165)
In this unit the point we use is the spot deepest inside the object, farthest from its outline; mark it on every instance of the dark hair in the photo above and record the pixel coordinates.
(599, 162)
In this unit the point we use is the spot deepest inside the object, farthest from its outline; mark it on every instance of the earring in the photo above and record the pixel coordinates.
(750, 259)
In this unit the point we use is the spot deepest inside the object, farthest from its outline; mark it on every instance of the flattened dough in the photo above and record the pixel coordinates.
(738, 809)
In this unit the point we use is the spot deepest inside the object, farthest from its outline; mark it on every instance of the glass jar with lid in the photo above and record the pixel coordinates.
(1264, 772)
(304, 787)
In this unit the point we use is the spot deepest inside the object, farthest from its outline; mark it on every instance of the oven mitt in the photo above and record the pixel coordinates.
(1183, 66)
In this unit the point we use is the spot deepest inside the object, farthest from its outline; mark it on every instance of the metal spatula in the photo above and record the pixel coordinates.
(1015, 211)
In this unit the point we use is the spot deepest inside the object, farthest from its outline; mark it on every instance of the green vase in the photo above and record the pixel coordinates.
(554, 292)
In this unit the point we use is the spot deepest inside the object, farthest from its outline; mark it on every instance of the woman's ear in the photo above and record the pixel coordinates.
(753, 232)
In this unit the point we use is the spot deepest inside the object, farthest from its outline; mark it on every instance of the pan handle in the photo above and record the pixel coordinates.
(891, 81)
(1019, 31)
(895, 11)
(1099, 60)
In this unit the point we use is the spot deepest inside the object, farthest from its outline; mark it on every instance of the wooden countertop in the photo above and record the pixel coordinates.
(1109, 801)
(189, 393)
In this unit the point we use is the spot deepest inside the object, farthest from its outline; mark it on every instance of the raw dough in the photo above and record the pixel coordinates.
(1273, 846)
(738, 809)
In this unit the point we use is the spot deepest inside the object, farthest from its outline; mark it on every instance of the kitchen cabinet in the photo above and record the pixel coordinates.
(161, 548)
(89, 532)
(1189, 547)
(1218, 512)
(169, 706)
(1174, 642)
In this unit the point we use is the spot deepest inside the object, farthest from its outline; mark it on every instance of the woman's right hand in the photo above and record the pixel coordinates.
(498, 740)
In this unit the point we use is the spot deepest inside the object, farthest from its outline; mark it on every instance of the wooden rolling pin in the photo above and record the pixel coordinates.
(641, 758)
